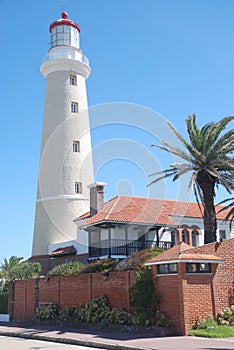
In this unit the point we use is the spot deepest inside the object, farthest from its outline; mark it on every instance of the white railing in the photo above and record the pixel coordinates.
(65, 53)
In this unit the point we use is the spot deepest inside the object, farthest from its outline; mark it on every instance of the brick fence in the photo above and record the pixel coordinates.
(184, 298)
(26, 295)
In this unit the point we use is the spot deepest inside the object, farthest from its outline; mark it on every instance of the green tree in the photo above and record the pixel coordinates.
(207, 156)
(15, 268)
(7, 267)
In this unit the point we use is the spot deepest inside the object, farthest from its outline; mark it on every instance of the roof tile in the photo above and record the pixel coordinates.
(150, 211)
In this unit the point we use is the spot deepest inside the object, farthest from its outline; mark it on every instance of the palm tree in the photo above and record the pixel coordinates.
(7, 268)
(208, 157)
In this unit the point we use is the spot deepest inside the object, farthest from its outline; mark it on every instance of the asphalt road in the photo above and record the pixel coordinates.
(9, 343)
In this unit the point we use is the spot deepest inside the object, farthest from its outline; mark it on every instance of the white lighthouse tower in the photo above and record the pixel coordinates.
(66, 165)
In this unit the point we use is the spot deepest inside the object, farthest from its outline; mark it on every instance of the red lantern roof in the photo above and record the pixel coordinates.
(64, 21)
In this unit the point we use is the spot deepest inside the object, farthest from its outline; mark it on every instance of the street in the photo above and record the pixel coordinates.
(10, 343)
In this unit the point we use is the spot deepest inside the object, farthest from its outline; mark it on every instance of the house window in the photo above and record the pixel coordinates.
(194, 238)
(173, 238)
(165, 269)
(76, 146)
(184, 236)
(78, 188)
(222, 234)
(74, 107)
(72, 80)
(198, 268)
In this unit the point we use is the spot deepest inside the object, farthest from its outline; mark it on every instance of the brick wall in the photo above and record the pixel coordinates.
(24, 300)
(223, 283)
(186, 297)
(70, 290)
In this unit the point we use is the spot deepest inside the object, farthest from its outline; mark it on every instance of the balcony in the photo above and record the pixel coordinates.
(121, 248)
(65, 52)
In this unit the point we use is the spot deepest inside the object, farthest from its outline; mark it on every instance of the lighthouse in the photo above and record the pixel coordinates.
(66, 164)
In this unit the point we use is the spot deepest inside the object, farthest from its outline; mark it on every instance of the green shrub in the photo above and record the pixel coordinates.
(71, 268)
(3, 303)
(46, 312)
(138, 259)
(144, 298)
(205, 323)
(226, 318)
(103, 265)
(68, 314)
(94, 311)
(120, 316)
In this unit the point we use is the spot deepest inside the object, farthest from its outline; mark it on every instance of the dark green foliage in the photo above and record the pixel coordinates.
(69, 314)
(120, 316)
(133, 262)
(26, 270)
(138, 259)
(71, 268)
(15, 268)
(3, 303)
(205, 323)
(46, 312)
(103, 265)
(208, 157)
(75, 268)
(95, 311)
(144, 298)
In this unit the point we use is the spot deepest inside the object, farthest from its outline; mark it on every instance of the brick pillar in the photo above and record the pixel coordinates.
(189, 236)
(179, 235)
(37, 294)
(11, 300)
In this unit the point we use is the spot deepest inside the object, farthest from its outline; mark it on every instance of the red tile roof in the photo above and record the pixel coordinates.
(182, 252)
(150, 211)
(63, 251)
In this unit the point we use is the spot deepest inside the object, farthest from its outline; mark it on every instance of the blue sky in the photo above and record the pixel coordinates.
(172, 57)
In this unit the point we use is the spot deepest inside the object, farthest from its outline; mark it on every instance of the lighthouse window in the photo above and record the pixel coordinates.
(74, 107)
(76, 146)
(72, 80)
(78, 187)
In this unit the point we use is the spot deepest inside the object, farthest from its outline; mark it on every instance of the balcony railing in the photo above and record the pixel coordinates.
(65, 53)
(118, 247)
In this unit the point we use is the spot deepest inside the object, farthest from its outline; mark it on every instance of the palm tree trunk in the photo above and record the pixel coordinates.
(207, 184)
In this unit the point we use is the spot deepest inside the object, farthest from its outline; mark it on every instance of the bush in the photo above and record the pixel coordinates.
(226, 318)
(120, 316)
(71, 268)
(46, 312)
(103, 265)
(68, 314)
(138, 259)
(3, 303)
(94, 311)
(205, 323)
(144, 298)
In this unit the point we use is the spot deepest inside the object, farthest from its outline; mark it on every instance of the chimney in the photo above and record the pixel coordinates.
(96, 197)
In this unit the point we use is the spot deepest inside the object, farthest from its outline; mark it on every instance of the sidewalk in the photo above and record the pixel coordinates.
(112, 340)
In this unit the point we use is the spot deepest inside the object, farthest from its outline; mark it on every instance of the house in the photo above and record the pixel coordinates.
(126, 224)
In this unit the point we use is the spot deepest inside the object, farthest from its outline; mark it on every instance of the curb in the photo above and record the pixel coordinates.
(81, 342)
